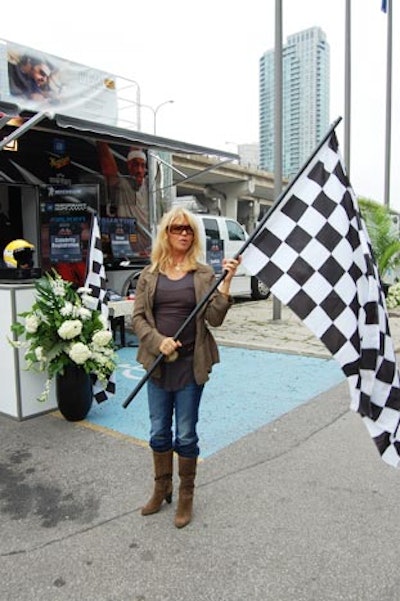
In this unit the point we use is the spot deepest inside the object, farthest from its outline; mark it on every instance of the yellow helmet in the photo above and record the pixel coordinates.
(18, 253)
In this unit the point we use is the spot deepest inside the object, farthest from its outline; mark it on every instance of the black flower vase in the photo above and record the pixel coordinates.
(74, 393)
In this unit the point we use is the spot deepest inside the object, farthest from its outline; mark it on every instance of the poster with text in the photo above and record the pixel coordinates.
(65, 225)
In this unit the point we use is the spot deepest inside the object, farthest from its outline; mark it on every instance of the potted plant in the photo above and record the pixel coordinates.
(64, 336)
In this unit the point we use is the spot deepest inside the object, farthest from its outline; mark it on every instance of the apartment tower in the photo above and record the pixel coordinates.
(305, 100)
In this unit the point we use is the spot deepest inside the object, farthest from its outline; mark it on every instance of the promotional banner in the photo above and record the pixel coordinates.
(38, 81)
(65, 219)
(119, 238)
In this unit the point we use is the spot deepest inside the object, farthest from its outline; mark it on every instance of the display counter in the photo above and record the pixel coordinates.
(20, 388)
(119, 311)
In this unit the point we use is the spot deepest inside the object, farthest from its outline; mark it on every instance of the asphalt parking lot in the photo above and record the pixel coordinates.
(301, 508)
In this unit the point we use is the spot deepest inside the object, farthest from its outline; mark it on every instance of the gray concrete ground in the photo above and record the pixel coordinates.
(252, 324)
(303, 509)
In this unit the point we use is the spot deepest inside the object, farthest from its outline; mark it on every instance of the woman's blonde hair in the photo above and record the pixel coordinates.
(161, 253)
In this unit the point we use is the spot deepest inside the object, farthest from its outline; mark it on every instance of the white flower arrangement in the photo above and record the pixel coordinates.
(393, 296)
(61, 328)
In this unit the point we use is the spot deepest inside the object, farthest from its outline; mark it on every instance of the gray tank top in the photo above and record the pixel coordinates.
(174, 300)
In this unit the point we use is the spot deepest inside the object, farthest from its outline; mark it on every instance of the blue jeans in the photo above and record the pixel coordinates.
(162, 404)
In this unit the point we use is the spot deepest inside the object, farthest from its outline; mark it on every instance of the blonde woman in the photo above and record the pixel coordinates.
(167, 291)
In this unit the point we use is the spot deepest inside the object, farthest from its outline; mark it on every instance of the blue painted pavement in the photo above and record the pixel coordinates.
(247, 390)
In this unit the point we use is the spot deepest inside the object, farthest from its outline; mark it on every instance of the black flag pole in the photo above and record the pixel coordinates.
(223, 275)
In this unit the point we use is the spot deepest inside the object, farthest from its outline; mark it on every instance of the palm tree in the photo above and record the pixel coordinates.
(384, 238)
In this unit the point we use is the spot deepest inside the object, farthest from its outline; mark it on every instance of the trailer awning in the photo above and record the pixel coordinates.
(52, 122)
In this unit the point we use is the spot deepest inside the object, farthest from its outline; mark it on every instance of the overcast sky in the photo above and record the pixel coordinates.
(205, 56)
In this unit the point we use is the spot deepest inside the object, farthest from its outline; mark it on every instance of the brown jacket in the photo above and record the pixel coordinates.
(205, 349)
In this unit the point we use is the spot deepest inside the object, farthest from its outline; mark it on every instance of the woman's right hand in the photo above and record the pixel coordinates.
(169, 346)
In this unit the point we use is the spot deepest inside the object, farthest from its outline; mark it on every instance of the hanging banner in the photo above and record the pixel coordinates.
(37, 81)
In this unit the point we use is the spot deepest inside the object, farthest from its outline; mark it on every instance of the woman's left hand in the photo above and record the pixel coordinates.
(230, 265)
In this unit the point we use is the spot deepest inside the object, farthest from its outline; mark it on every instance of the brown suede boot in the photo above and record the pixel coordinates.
(162, 482)
(187, 474)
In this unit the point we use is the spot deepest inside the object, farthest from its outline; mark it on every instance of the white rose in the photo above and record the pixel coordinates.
(70, 329)
(31, 324)
(90, 302)
(102, 337)
(79, 353)
(39, 353)
(84, 290)
(84, 313)
(57, 287)
(66, 309)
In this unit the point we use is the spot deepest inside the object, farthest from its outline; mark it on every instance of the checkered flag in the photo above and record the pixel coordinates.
(314, 253)
(96, 281)
(95, 272)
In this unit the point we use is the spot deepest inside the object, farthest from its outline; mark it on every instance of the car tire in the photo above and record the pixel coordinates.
(130, 283)
(259, 291)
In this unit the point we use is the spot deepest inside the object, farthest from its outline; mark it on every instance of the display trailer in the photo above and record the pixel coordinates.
(55, 172)
(67, 151)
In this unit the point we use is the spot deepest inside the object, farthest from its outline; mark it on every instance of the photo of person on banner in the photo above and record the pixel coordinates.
(36, 80)
(129, 196)
(29, 77)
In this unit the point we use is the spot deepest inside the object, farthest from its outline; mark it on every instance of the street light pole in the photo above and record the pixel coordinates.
(155, 111)
(152, 109)
(276, 304)
(138, 115)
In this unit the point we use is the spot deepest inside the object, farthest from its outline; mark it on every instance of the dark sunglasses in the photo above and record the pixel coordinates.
(179, 229)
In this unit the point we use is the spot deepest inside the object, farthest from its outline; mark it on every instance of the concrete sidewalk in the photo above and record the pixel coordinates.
(303, 509)
(251, 324)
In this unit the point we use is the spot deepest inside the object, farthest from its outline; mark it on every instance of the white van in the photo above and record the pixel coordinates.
(221, 237)
(224, 237)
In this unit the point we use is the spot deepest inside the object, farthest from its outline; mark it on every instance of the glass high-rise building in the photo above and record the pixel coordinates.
(305, 99)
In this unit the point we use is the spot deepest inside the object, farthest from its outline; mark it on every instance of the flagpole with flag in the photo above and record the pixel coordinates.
(315, 255)
(96, 282)
(207, 296)
(95, 272)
